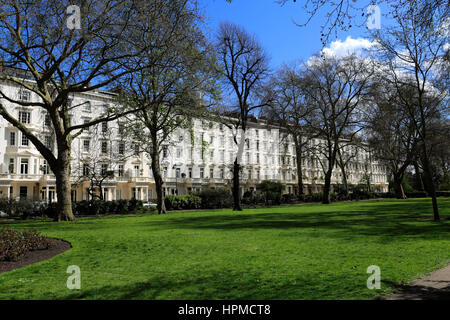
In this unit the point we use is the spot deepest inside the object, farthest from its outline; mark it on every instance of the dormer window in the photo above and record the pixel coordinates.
(87, 106)
(24, 95)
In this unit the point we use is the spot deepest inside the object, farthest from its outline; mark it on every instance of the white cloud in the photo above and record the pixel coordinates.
(343, 48)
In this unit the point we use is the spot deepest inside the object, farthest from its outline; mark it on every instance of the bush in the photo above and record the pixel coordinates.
(15, 243)
(287, 198)
(271, 191)
(182, 202)
(215, 198)
(101, 207)
(442, 193)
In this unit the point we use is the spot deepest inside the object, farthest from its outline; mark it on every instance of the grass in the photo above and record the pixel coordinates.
(290, 252)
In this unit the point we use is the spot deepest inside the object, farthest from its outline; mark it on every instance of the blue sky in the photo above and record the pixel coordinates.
(274, 27)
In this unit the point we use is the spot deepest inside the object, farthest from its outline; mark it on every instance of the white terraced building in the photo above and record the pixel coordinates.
(187, 164)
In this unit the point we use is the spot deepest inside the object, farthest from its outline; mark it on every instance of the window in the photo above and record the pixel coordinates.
(104, 169)
(178, 172)
(12, 138)
(211, 173)
(85, 169)
(250, 174)
(190, 172)
(121, 148)
(104, 147)
(11, 165)
(179, 152)
(121, 127)
(257, 158)
(86, 121)
(24, 117)
(105, 108)
(165, 151)
(136, 149)
(120, 170)
(202, 173)
(86, 145)
(23, 193)
(47, 121)
(136, 171)
(222, 173)
(87, 106)
(257, 144)
(222, 156)
(24, 166)
(211, 140)
(48, 142)
(104, 126)
(45, 167)
(165, 172)
(24, 95)
(25, 141)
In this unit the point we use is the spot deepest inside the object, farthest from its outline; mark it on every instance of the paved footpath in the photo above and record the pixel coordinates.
(435, 286)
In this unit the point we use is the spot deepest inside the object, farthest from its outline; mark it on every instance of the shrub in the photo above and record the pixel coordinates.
(442, 193)
(287, 198)
(15, 243)
(271, 191)
(182, 202)
(215, 198)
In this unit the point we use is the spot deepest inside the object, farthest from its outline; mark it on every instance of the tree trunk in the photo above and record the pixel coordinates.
(419, 180)
(327, 187)
(63, 186)
(431, 187)
(160, 205)
(298, 151)
(399, 192)
(236, 195)
(341, 165)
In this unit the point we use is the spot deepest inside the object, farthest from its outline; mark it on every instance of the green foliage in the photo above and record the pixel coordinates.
(407, 188)
(215, 198)
(182, 202)
(100, 207)
(271, 191)
(15, 243)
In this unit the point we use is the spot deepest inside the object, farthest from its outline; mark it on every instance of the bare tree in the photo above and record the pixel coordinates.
(337, 88)
(171, 92)
(289, 109)
(243, 65)
(413, 48)
(43, 42)
(390, 131)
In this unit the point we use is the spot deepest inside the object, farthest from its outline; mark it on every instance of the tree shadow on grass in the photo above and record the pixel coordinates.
(224, 285)
(389, 220)
(418, 292)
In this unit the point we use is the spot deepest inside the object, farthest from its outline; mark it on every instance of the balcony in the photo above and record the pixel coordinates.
(21, 177)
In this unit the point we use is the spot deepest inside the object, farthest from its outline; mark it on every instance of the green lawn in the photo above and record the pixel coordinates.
(297, 252)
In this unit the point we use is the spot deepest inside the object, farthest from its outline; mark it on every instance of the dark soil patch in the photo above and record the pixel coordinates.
(56, 246)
